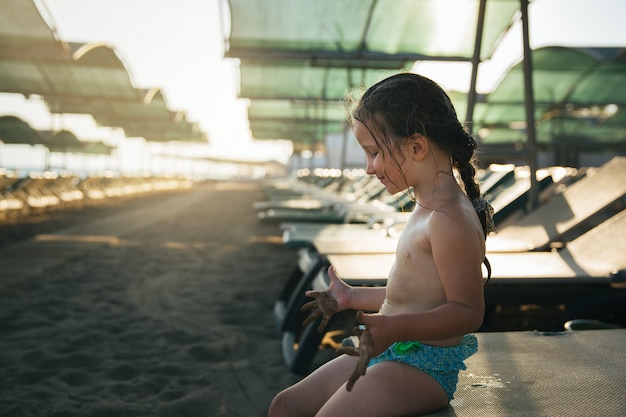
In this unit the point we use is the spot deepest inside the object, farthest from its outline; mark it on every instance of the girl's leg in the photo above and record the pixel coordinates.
(307, 396)
(387, 389)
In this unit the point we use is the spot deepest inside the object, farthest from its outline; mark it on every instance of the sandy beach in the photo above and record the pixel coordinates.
(158, 305)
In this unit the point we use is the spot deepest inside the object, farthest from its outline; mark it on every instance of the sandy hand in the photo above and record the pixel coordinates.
(323, 305)
(363, 351)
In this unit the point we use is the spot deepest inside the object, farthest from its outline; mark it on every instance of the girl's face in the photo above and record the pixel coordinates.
(379, 160)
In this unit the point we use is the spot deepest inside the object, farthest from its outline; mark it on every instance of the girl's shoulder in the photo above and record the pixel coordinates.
(455, 217)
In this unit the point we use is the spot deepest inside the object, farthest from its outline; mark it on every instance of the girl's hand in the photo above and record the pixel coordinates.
(363, 351)
(373, 340)
(327, 303)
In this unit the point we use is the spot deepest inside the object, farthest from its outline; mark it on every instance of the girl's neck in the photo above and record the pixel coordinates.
(442, 188)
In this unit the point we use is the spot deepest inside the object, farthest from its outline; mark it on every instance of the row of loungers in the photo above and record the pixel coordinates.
(49, 191)
(569, 252)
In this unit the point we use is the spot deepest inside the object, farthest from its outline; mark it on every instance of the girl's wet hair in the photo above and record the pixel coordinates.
(406, 104)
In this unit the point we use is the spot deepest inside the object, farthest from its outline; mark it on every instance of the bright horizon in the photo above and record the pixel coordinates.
(177, 45)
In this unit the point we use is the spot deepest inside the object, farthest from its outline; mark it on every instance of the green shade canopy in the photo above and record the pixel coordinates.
(65, 141)
(148, 117)
(297, 79)
(14, 130)
(291, 95)
(300, 92)
(362, 32)
(315, 52)
(301, 121)
(298, 57)
(57, 78)
(580, 93)
(23, 32)
(97, 148)
(80, 78)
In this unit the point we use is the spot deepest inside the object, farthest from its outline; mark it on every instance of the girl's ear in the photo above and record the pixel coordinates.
(419, 146)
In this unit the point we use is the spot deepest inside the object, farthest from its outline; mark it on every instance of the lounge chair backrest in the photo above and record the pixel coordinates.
(603, 245)
(581, 200)
(494, 176)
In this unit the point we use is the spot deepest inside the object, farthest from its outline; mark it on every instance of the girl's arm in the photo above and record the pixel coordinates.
(339, 297)
(355, 298)
(367, 298)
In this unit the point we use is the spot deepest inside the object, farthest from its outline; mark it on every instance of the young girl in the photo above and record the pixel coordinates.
(414, 346)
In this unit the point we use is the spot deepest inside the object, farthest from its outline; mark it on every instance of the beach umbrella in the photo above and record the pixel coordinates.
(14, 130)
(64, 142)
(97, 151)
(97, 148)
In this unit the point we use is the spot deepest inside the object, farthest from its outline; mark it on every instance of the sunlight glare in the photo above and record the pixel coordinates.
(459, 17)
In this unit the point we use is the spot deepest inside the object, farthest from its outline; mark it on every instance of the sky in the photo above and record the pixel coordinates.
(552, 23)
(178, 45)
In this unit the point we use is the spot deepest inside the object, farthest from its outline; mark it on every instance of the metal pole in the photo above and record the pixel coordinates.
(529, 102)
(344, 147)
(471, 95)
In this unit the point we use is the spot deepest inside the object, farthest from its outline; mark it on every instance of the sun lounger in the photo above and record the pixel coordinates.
(369, 192)
(596, 259)
(352, 239)
(65, 187)
(354, 207)
(346, 212)
(497, 177)
(588, 276)
(509, 193)
(11, 205)
(35, 194)
(581, 205)
(385, 227)
(300, 186)
(494, 175)
(363, 188)
(576, 373)
(315, 190)
(510, 198)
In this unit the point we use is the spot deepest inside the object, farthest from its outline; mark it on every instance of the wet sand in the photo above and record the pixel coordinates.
(160, 305)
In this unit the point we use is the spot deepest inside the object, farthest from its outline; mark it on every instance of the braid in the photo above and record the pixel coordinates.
(464, 159)
(462, 148)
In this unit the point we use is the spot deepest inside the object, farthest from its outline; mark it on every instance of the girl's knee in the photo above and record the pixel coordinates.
(283, 404)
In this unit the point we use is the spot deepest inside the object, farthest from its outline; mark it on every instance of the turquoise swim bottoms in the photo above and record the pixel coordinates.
(441, 363)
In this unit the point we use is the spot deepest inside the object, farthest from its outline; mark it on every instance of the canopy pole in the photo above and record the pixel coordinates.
(344, 147)
(471, 95)
(529, 102)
